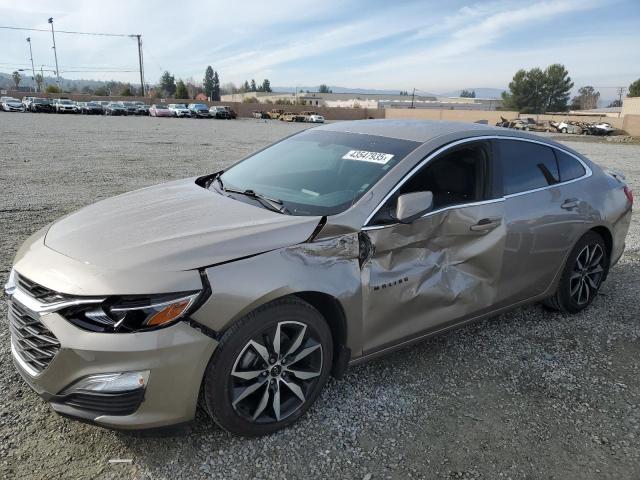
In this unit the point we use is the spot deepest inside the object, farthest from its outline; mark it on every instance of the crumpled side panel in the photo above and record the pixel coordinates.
(328, 266)
(433, 271)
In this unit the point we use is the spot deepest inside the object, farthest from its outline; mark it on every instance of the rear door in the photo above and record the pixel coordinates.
(544, 214)
(443, 267)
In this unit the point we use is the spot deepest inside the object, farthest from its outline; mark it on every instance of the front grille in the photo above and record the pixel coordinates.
(40, 293)
(33, 342)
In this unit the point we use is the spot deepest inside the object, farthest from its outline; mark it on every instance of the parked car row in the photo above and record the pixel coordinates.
(65, 105)
(574, 127)
(281, 114)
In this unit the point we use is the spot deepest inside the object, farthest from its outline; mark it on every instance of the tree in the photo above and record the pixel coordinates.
(39, 81)
(208, 82)
(586, 99)
(216, 87)
(537, 91)
(181, 90)
(266, 85)
(126, 91)
(615, 103)
(245, 86)
(52, 89)
(468, 94)
(253, 85)
(168, 83)
(17, 78)
(101, 91)
(324, 89)
(634, 89)
(558, 87)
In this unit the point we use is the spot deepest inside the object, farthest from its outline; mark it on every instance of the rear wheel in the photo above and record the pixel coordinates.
(582, 275)
(268, 368)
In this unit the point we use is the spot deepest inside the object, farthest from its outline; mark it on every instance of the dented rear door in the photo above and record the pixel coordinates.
(439, 270)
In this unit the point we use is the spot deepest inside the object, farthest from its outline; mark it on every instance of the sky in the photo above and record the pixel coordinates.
(433, 46)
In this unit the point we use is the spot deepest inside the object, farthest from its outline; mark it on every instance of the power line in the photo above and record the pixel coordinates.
(69, 32)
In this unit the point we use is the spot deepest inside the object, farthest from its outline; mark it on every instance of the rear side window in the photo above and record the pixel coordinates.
(570, 167)
(527, 166)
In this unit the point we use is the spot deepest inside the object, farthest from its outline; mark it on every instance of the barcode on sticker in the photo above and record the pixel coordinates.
(364, 156)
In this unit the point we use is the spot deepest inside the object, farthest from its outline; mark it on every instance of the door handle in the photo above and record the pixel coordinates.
(486, 224)
(570, 203)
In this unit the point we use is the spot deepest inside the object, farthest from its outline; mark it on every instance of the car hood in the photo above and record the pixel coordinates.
(171, 227)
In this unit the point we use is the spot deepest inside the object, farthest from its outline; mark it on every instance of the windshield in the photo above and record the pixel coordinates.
(160, 107)
(40, 100)
(91, 104)
(66, 102)
(318, 172)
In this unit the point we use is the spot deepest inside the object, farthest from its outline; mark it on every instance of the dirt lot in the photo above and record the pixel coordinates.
(527, 395)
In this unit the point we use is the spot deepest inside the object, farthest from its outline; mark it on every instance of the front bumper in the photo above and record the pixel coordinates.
(176, 358)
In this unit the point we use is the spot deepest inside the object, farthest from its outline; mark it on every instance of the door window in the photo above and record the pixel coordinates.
(527, 166)
(570, 168)
(457, 177)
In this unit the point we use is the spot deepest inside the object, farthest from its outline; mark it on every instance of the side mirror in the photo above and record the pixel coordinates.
(412, 206)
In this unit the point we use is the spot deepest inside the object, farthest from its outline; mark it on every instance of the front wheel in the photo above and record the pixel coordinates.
(269, 368)
(582, 275)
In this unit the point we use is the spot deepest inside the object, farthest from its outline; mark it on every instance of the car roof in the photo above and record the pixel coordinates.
(414, 130)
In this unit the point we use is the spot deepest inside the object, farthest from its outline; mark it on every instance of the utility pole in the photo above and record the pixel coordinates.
(55, 52)
(33, 69)
(621, 91)
(139, 37)
(413, 96)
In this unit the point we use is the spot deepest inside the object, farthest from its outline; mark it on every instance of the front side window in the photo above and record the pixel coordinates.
(527, 166)
(458, 176)
(318, 172)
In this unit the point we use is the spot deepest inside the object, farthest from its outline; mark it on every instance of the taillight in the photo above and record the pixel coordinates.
(629, 194)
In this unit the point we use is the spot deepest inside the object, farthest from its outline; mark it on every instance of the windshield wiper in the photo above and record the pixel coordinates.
(272, 204)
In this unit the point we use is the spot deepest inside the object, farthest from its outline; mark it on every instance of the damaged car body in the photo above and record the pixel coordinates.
(248, 288)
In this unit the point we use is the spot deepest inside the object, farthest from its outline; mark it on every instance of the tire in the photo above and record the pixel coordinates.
(577, 288)
(249, 348)
(564, 130)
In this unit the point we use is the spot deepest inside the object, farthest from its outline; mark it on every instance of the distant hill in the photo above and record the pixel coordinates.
(337, 89)
(480, 92)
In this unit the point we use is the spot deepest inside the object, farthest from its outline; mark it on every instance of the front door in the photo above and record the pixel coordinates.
(443, 267)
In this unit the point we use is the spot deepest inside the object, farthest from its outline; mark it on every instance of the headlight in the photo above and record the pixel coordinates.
(131, 314)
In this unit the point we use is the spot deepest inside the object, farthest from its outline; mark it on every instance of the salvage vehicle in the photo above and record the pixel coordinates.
(315, 118)
(130, 107)
(292, 117)
(40, 105)
(567, 127)
(275, 113)
(64, 105)
(179, 110)
(249, 287)
(199, 110)
(10, 104)
(232, 113)
(220, 113)
(90, 108)
(159, 110)
(259, 114)
(602, 128)
(115, 108)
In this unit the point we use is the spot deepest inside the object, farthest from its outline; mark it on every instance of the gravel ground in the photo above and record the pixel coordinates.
(526, 395)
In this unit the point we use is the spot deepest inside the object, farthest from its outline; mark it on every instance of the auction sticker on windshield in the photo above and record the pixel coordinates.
(364, 156)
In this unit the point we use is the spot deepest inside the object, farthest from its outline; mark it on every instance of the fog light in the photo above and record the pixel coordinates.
(110, 382)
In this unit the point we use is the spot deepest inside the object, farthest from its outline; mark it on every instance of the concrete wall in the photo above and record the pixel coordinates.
(631, 125)
(631, 106)
(452, 115)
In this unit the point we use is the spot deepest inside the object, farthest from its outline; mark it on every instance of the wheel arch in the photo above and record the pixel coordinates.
(332, 311)
(607, 237)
